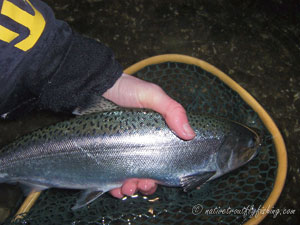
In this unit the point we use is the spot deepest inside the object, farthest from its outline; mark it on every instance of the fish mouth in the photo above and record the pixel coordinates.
(258, 138)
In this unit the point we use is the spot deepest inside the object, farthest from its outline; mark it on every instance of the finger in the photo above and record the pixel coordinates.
(145, 185)
(129, 187)
(177, 120)
(172, 111)
(149, 192)
(117, 193)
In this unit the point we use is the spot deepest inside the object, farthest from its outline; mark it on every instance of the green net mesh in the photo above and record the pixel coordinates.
(246, 188)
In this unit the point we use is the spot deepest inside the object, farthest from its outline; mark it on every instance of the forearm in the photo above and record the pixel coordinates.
(59, 71)
(88, 68)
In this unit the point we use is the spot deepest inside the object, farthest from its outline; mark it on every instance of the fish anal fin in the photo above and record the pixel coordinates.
(192, 181)
(87, 197)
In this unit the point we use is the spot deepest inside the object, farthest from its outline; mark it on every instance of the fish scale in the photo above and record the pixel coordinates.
(97, 152)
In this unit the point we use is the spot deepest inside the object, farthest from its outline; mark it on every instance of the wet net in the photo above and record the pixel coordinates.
(230, 199)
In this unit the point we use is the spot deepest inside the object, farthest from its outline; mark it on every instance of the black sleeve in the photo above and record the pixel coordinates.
(88, 69)
(59, 72)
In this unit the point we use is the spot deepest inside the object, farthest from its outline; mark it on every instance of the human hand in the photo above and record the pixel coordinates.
(129, 91)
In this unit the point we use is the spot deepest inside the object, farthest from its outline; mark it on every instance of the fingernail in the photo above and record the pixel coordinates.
(188, 130)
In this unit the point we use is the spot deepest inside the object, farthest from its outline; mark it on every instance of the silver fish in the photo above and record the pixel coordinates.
(98, 152)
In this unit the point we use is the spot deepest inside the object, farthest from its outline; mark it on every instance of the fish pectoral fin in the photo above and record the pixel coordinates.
(27, 188)
(192, 181)
(87, 197)
(95, 104)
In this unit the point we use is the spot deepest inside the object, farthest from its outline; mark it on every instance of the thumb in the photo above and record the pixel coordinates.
(130, 91)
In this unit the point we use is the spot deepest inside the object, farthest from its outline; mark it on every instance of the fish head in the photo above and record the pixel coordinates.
(238, 148)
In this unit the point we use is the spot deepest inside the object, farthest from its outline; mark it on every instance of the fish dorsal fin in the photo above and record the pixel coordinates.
(95, 104)
(192, 181)
(87, 197)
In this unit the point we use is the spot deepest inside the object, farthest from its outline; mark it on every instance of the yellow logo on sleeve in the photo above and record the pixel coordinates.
(35, 24)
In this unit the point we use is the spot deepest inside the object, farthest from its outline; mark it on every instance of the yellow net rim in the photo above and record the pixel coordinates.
(264, 116)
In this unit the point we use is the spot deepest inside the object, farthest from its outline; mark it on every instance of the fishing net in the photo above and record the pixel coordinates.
(230, 199)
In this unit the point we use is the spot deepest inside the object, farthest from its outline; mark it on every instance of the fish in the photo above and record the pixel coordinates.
(100, 149)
